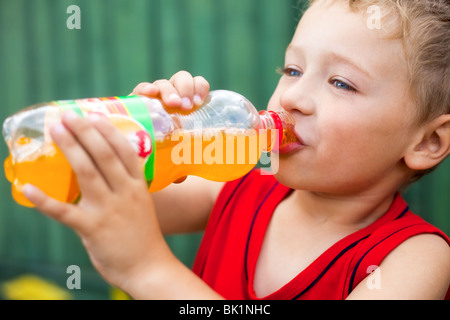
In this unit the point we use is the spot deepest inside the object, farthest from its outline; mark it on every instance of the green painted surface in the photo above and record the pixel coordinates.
(235, 44)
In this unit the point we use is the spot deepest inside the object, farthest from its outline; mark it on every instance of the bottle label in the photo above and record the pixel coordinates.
(130, 115)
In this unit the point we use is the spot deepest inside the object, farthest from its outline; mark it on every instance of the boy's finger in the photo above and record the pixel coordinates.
(184, 83)
(63, 212)
(201, 89)
(71, 138)
(169, 95)
(107, 163)
(121, 146)
(146, 89)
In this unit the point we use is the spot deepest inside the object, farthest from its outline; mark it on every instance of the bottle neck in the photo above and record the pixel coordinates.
(279, 127)
(272, 124)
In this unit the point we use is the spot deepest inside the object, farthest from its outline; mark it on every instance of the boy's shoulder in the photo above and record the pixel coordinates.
(405, 249)
(418, 268)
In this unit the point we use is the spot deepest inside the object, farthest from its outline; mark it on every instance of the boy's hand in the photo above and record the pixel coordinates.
(115, 217)
(180, 91)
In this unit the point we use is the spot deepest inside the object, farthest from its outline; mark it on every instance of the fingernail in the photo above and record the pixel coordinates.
(174, 98)
(58, 128)
(186, 103)
(197, 100)
(94, 117)
(70, 115)
(27, 190)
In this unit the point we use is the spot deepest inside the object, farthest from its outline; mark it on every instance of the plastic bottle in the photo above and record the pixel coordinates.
(220, 140)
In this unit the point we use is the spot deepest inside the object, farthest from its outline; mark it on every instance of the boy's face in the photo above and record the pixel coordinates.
(346, 87)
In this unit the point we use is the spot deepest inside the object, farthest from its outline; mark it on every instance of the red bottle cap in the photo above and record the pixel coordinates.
(278, 126)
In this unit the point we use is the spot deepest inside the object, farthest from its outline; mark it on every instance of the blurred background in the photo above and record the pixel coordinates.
(234, 44)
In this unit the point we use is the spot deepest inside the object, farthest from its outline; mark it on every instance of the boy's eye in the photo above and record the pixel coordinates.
(290, 72)
(342, 85)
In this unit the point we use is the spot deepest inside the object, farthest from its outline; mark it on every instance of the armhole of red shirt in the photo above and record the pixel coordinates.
(384, 241)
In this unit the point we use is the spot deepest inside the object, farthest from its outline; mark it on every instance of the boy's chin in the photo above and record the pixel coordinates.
(286, 178)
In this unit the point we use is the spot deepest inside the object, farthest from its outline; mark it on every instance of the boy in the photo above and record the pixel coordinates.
(371, 107)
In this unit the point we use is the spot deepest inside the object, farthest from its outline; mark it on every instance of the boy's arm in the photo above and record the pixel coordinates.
(169, 280)
(185, 207)
(418, 269)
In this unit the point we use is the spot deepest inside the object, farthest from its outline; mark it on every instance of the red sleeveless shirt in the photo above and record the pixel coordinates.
(227, 256)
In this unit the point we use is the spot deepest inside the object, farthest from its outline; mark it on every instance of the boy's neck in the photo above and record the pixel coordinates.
(354, 211)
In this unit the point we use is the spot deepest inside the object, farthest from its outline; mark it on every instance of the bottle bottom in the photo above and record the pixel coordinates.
(50, 173)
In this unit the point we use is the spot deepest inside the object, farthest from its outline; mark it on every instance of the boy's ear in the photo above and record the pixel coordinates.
(432, 145)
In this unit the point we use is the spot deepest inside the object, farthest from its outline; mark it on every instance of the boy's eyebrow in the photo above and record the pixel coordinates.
(343, 59)
(335, 57)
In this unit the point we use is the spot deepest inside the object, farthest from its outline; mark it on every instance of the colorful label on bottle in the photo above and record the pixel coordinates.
(130, 115)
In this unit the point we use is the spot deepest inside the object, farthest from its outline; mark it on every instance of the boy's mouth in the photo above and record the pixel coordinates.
(291, 147)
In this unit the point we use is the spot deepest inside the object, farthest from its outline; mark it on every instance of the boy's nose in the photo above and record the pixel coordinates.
(298, 97)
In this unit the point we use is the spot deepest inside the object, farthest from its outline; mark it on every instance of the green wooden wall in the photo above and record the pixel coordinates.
(235, 44)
